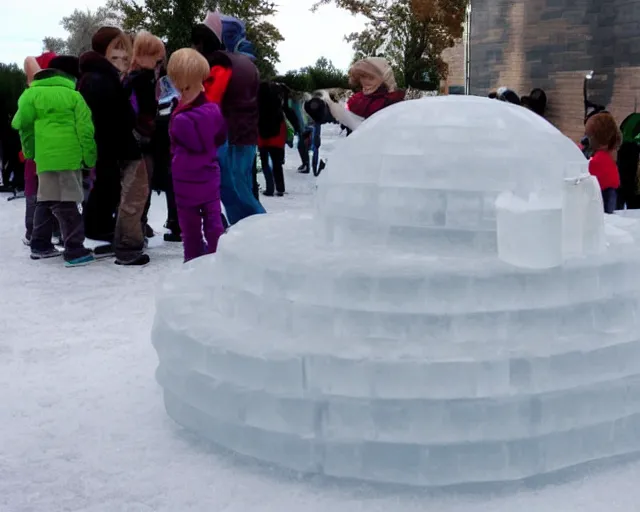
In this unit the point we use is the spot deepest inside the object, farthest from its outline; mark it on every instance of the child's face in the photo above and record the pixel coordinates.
(368, 81)
(190, 93)
(150, 61)
(119, 59)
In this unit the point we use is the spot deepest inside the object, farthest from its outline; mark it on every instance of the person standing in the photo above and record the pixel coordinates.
(197, 130)
(233, 84)
(272, 137)
(99, 84)
(121, 181)
(140, 85)
(57, 132)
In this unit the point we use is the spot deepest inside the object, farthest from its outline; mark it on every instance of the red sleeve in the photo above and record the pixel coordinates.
(602, 166)
(216, 84)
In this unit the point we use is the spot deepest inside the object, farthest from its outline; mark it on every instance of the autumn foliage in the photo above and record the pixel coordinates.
(412, 34)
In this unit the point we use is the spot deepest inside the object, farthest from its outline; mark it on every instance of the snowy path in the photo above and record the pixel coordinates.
(83, 428)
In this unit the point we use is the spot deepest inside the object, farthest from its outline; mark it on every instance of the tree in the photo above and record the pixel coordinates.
(54, 44)
(411, 34)
(12, 82)
(173, 20)
(80, 25)
(322, 75)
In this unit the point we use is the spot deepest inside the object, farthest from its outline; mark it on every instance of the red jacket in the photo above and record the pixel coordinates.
(603, 167)
(365, 105)
(275, 142)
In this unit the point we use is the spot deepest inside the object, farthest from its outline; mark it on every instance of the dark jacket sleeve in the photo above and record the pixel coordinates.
(292, 118)
(113, 117)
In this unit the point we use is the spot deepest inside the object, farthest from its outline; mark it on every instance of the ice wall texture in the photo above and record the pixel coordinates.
(379, 338)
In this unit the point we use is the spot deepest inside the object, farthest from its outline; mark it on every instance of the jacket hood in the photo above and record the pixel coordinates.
(53, 77)
(93, 62)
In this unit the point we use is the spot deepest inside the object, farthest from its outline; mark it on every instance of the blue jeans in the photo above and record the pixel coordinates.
(236, 184)
(609, 198)
(317, 141)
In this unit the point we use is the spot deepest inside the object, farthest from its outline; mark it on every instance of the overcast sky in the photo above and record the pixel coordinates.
(307, 36)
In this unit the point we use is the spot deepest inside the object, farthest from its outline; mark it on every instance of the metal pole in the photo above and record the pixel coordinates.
(467, 43)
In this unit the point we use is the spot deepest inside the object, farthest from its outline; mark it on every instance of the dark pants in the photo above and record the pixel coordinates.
(71, 226)
(29, 213)
(102, 205)
(172, 224)
(148, 162)
(273, 175)
(627, 197)
(609, 198)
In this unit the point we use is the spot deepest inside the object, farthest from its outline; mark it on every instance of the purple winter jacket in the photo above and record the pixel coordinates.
(197, 131)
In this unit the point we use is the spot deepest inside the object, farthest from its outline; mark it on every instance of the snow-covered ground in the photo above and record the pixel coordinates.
(83, 428)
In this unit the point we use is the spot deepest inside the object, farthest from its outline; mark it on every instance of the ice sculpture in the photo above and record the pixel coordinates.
(381, 338)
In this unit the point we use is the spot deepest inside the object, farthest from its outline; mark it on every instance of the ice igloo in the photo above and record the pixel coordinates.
(381, 338)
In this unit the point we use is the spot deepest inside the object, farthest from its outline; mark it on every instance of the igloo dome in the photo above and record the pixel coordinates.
(425, 175)
(381, 337)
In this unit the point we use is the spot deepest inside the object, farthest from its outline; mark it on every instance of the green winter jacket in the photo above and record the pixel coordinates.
(55, 124)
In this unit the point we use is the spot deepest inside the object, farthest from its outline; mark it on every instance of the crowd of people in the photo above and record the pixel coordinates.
(95, 129)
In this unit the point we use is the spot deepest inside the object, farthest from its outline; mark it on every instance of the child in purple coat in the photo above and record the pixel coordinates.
(197, 130)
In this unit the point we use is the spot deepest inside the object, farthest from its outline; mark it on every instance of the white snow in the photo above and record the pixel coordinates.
(83, 426)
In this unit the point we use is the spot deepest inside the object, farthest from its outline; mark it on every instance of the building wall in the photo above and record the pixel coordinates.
(553, 44)
(454, 57)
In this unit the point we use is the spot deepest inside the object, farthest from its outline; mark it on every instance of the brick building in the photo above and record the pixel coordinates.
(553, 44)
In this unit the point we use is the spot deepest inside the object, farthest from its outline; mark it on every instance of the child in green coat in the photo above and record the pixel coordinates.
(57, 132)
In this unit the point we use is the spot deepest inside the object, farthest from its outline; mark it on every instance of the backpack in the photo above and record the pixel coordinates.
(234, 36)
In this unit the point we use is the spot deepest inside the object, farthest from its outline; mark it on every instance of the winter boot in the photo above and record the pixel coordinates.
(172, 237)
(140, 261)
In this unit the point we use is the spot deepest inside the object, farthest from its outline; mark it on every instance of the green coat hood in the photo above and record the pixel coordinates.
(55, 124)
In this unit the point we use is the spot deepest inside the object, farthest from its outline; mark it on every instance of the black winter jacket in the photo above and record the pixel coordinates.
(113, 115)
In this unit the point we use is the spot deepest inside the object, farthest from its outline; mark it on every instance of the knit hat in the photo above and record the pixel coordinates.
(102, 39)
(67, 64)
(213, 22)
(44, 59)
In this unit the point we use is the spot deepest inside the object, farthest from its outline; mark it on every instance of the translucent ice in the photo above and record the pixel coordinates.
(430, 322)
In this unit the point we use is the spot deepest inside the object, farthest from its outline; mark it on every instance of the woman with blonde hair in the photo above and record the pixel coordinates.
(140, 84)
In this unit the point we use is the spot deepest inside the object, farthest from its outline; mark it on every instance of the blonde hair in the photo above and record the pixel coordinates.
(187, 67)
(146, 44)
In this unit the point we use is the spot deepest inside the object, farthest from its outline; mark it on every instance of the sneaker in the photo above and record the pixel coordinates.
(26, 241)
(57, 241)
(43, 255)
(80, 262)
(303, 169)
(279, 194)
(172, 237)
(148, 231)
(268, 194)
(320, 168)
(141, 260)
